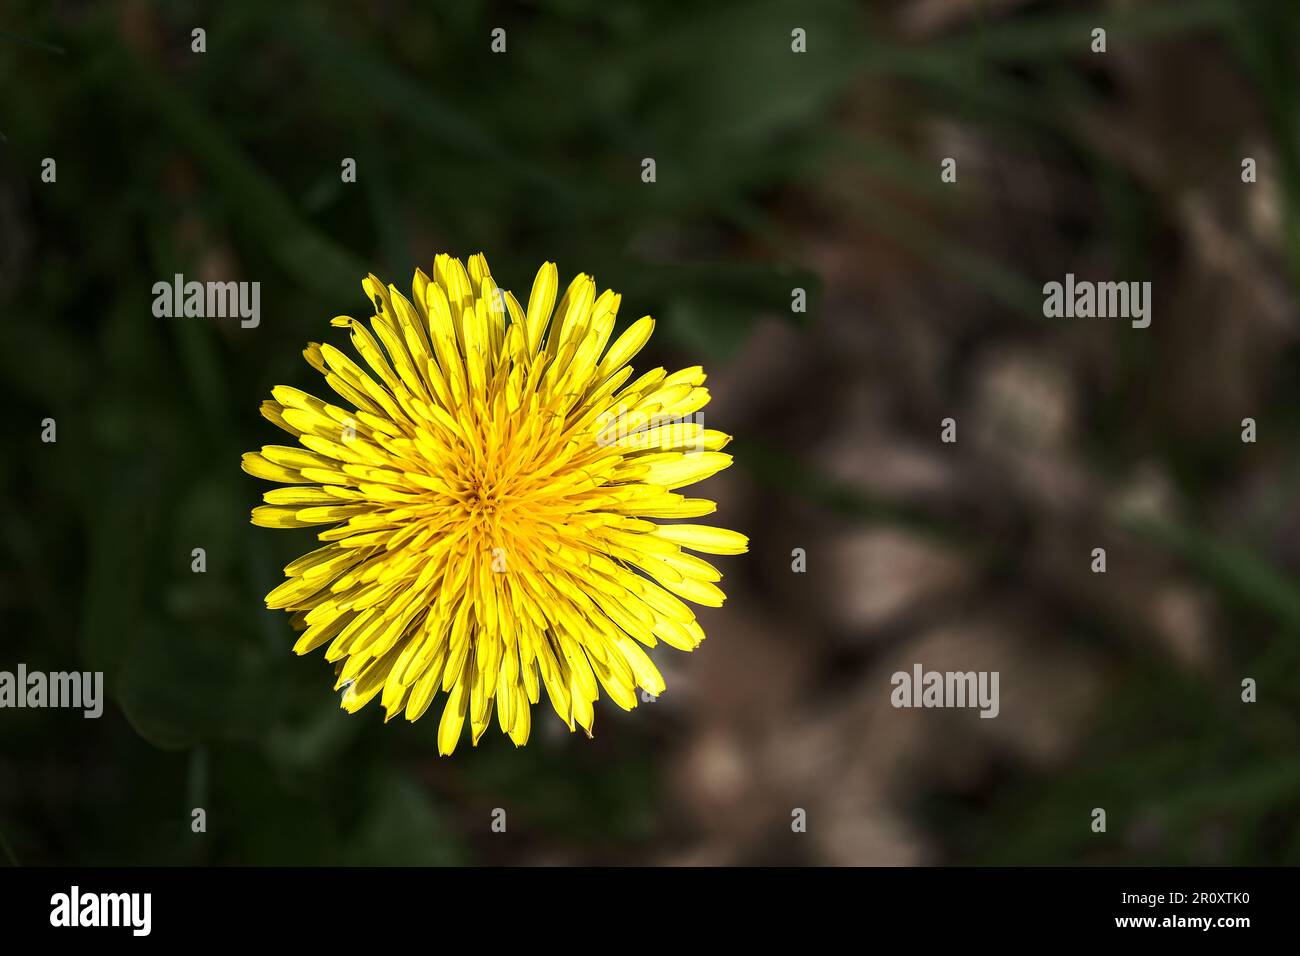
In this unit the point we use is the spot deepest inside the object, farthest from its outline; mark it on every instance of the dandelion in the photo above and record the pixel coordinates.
(490, 498)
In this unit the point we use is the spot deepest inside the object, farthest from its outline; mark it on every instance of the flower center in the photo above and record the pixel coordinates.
(483, 499)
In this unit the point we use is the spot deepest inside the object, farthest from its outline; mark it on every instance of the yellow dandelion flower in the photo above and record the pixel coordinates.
(489, 498)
